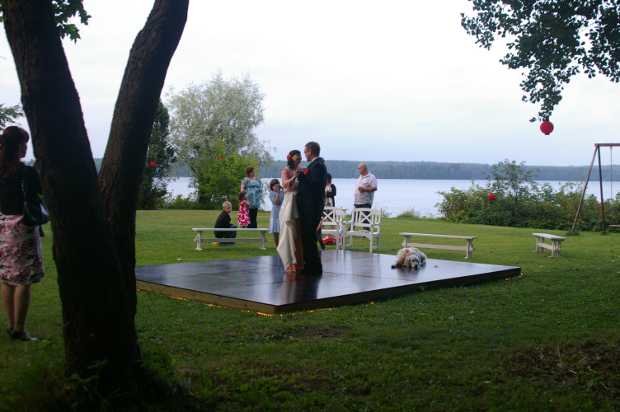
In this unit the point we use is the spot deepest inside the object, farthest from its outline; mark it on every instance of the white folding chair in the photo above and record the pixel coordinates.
(366, 224)
(332, 223)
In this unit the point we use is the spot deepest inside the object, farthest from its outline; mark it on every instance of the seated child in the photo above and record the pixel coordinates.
(409, 258)
(223, 221)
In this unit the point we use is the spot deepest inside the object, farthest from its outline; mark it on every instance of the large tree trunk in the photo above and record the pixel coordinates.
(123, 164)
(93, 229)
(93, 289)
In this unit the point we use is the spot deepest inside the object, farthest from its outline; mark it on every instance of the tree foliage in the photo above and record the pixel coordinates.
(64, 12)
(160, 155)
(9, 114)
(207, 115)
(551, 41)
(213, 127)
(218, 175)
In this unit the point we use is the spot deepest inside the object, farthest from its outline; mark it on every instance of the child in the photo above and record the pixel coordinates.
(223, 222)
(330, 192)
(243, 215)
(276, 195)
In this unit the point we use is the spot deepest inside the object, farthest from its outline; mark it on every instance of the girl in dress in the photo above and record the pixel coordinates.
(276, 195)
(289, 247)
(243, 215)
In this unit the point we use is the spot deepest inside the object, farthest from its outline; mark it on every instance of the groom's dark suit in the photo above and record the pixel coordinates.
(310, 202)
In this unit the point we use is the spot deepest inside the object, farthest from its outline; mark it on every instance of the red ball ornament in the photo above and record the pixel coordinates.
(491, 197)
(152, 164)
(546, 127)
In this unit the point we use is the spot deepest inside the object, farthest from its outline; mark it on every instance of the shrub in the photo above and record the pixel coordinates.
(521, 202)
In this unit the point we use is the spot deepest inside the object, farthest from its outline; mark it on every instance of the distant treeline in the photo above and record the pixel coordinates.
(429, 170)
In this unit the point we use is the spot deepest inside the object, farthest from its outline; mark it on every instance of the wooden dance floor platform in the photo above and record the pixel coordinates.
(259, 284)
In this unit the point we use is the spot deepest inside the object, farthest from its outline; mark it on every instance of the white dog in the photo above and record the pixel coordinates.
(409, 258)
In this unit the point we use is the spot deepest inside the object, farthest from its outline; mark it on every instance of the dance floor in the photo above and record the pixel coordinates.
(258, 283)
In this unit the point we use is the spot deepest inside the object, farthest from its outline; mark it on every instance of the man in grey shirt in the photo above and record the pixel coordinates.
(365, 188)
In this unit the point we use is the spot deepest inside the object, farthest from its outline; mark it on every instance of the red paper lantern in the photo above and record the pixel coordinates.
(152, 164)
(491, 197)
(546, 127)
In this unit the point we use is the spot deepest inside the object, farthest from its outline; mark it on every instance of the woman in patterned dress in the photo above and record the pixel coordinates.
(21, 262)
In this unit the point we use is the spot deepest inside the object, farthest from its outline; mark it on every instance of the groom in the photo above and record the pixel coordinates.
(310, 203)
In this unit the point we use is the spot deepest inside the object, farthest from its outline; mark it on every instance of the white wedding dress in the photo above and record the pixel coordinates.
(289, 230)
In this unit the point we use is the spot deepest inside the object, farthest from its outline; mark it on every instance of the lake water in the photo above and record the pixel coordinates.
(395, 196)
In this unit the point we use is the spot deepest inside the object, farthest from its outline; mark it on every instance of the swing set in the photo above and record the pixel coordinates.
(597, 155)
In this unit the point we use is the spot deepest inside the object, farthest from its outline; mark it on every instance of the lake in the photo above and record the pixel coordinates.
(395, 196)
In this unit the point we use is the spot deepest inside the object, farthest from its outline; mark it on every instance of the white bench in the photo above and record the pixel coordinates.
(468, 248)
(554, 246)
(200, 239)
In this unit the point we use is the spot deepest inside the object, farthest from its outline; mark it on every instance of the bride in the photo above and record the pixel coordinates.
(289, 247)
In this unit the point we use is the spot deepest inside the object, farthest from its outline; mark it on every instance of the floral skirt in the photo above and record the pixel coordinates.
(21, 260)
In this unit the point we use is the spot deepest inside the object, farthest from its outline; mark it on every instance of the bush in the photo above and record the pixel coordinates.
(181, 202)
(520, 202)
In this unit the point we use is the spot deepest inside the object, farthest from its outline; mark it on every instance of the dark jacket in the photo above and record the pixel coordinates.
(311, 192)
(332, 195)
(11, 194)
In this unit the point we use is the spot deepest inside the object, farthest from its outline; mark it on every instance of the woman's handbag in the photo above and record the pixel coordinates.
(35, 212)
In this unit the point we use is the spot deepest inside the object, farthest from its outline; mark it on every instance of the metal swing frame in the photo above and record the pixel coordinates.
(595, 155)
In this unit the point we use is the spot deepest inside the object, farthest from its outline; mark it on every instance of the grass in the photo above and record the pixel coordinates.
(549, 340)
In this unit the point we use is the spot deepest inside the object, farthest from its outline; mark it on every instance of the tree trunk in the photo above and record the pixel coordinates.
(93, 229)
(123, 164)
(93, 291)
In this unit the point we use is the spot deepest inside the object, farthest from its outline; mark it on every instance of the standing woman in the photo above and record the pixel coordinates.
(330, 192)
(290, 247)
(21, 262)
(253, 188)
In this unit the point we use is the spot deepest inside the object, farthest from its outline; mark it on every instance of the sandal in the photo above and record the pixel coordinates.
(23, 336)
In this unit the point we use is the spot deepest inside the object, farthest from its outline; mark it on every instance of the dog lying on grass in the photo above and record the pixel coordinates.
(409, 258)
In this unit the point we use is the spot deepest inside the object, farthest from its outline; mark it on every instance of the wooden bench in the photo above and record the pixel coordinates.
(554, 246)
(200, 239)
(468, 248)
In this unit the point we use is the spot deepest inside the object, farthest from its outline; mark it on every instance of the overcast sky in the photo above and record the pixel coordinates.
(369, 80)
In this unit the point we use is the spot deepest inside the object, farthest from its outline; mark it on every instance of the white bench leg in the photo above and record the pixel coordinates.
(556, 248)
(470, 249)
(198, 240)
(262, 241)
(372, 241)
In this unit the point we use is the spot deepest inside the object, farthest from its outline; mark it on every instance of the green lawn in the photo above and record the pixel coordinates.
(549, 340)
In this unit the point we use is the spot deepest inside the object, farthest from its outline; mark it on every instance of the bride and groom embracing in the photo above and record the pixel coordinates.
(302, 210)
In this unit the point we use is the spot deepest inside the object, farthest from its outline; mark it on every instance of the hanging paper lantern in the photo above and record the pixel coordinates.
(491, 197)
(546, 127)
(152, 164)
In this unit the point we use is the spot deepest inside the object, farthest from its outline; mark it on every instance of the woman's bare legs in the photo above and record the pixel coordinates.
(22, 303)
(8, 299)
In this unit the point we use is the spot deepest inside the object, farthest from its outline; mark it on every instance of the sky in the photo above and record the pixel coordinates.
(369, 80)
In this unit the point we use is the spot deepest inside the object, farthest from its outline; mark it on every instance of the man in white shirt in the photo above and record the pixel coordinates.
(365, 188)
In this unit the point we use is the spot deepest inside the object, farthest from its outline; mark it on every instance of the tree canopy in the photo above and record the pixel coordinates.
(220, 111)
(551, 41)
(64, 12)
(8, 114)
